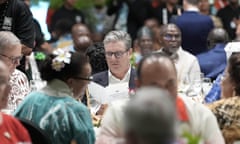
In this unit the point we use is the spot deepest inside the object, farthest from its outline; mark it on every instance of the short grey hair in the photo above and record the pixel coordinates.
(114, 36)
(151, 116)
(8, 39)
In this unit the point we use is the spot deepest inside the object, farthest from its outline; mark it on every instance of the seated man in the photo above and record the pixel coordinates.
(150, 117)
(81, 36)
(213, 62)
(186, 64)
(194, 118)
(118, 51)
(145, 39)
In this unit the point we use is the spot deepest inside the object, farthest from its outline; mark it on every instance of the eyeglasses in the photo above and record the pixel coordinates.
(117, 54)
(171, 36)
(14, 60)
(82, 78)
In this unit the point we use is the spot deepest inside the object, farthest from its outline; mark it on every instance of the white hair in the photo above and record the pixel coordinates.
(8, 39)
(151, 116)
(115, 36)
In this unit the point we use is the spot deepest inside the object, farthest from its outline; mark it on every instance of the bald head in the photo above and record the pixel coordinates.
(81, 37)
(158, 70)
(4, 84)
(80, 29)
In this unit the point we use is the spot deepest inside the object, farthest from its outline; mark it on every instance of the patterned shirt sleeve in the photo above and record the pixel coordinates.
(19, 89)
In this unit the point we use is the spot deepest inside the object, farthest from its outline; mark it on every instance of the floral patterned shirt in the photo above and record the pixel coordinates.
(19, 89)
(227, 112)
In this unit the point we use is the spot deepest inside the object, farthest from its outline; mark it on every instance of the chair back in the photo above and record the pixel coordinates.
(38, 136)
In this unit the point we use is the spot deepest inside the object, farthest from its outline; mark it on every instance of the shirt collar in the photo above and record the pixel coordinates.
(57, 88)
(175, 56)
(125, 78)
(195, 9)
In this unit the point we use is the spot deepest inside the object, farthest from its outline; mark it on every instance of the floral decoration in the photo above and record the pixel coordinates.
(40, 56)
(62, 58)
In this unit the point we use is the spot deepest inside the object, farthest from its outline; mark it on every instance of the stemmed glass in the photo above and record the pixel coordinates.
(195, 86)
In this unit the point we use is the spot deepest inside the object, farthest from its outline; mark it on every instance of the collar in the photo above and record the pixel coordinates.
(57, 88)
(194, 9)
(127, 75)
(175, 56)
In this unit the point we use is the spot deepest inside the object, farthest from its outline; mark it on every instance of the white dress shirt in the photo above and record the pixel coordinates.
(202, 123)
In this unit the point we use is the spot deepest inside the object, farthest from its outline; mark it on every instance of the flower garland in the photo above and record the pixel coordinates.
(62, 58)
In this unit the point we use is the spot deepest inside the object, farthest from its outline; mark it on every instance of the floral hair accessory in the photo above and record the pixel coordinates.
(62, 58)
(40, 56)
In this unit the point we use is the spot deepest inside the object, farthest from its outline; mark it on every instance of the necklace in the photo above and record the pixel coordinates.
(4, 11)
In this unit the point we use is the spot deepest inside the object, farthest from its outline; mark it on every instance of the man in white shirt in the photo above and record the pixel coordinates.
(117, 45)
(195, 119)
(187, 65)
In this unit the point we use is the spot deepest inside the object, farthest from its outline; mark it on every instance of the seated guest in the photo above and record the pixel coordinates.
(81, 36)
(61, 35)
(117, 45)
(214, 61)
(150, 117)
(118, 51)
(186, 64)
(97, 58)
(194, 118)
(153, 24)
(145, 39)
(10, 54)
(12, 132)
(227, 109)
(55, 108)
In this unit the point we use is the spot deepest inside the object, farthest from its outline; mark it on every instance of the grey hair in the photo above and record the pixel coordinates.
(145, 31)
(114, 36)
(151, 116)
(8, 39)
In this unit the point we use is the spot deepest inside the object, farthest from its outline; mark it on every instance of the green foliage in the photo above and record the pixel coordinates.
(55, 4)
(191, 139)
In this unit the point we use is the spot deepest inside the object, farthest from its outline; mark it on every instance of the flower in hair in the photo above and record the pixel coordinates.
(62, 58)
(40, 56)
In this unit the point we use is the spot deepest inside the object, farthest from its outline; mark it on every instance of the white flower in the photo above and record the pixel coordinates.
(62, 58)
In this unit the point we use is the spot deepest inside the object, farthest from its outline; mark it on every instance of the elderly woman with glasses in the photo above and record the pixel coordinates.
(12, 131)
(55, 108)
(227, 109)
(10, 54)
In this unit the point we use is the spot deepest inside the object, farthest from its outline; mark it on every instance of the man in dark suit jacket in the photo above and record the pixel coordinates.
(102, 78)
(195, 27)
(117, 45)
(214, 61)
(118, 51)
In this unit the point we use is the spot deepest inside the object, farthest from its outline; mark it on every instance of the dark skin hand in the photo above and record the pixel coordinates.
(26, 51)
